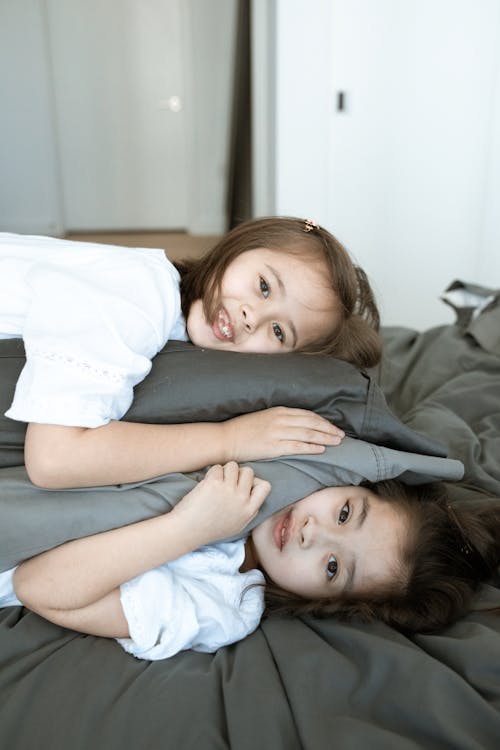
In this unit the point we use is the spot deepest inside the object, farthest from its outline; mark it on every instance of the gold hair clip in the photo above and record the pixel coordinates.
(466, 547)
(310, 225)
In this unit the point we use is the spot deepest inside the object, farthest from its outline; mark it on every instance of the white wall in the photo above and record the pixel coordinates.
(408, 176)
(488, 269)
(303, 108)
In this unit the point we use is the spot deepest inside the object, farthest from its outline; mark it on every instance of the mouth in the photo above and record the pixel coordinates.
(282, 529)
(222, 327)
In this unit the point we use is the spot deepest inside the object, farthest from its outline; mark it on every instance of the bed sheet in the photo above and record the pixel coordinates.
(305, 682)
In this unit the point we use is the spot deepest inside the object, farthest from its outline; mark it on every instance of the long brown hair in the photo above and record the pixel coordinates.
(356, 338)
(451, 550)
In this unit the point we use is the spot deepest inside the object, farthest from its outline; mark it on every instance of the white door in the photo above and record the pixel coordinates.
(120, 120)
(407, 172)
(409, 150)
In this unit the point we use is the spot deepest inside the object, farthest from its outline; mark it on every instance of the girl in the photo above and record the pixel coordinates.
(201, 600)
(398, 553)
(92, 317)
(451, 549)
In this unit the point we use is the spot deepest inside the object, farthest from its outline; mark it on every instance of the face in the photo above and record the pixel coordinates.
(335, 541)
(270, 302)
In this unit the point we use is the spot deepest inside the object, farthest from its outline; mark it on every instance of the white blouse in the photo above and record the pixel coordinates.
(91, 317)
(199, 601)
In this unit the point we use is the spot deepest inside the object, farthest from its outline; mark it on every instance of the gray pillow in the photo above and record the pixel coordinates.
(186, 384)
(34, 520)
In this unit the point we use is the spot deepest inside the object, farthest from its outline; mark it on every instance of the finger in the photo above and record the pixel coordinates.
(246, 478)
(292, 410)
(307, 435)
(340, 431)
(328, 428)
(297, 447)
(231, 472)
(259, 480)
(312, 420)
(260, 491)
(322, 438)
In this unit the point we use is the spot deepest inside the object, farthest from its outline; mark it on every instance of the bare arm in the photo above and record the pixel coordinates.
(121, 452)
(77, 584)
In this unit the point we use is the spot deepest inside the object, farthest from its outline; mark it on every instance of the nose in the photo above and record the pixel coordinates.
(311, 532)
(306, 532)
(249, 318)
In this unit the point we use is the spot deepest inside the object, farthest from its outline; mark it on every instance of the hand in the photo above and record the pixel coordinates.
(223, 503)
(279, 431)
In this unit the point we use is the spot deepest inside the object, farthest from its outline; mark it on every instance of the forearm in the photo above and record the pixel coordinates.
(119, 452)
(77, 584)
(104, 617)
(83, 571)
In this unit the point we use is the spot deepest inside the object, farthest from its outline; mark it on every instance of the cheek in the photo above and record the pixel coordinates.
(257, 344)
(196, 318)
(231, 282)
(239, 281)
(286, 573)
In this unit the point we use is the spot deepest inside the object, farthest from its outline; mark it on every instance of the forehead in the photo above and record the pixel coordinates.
(370, 553)
(306, 257)
(305, 284)
(378, 558)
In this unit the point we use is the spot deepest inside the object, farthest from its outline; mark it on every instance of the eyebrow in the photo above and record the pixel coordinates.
(359, 523)
(283, 291)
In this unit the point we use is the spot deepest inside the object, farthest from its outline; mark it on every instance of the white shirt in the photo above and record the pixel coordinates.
(91, 317)
(199, 601)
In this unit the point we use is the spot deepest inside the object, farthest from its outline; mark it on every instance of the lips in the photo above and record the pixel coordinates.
(222, 327)
(282, 530)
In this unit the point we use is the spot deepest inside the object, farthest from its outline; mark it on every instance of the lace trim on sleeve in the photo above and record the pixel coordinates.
(80, 365)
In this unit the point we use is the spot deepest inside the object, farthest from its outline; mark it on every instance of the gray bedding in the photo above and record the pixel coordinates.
(378, 445)
(301, 683)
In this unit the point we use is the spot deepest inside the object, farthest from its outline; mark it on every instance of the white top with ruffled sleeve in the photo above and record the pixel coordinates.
(92, 317)
(199, 601)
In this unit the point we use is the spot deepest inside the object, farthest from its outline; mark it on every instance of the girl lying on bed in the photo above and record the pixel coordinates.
(388, 551)
(93, 316)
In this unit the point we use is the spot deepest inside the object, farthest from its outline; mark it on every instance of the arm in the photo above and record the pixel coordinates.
(121, 452)
(77, 584)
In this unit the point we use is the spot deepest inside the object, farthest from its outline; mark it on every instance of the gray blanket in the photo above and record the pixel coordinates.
(295, 683)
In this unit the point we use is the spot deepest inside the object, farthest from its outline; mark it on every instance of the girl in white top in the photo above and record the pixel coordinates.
(403, 554)
(93, 316)
(123, 583)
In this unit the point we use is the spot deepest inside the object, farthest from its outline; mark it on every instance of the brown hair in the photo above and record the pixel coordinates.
(356, 339)
(451, 551)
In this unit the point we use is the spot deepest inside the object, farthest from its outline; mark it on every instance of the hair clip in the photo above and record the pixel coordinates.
(466, 547)
(310, 225)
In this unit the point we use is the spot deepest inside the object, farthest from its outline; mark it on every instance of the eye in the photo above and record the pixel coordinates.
(278, 332)
(331, 568)
(344, 513)
(264, 287)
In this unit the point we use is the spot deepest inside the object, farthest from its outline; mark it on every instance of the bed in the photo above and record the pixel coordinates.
(294, 683)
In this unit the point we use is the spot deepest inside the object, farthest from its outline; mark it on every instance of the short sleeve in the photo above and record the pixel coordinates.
(7, 595)
(172, 609)
(161, 615)
(88, 344)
